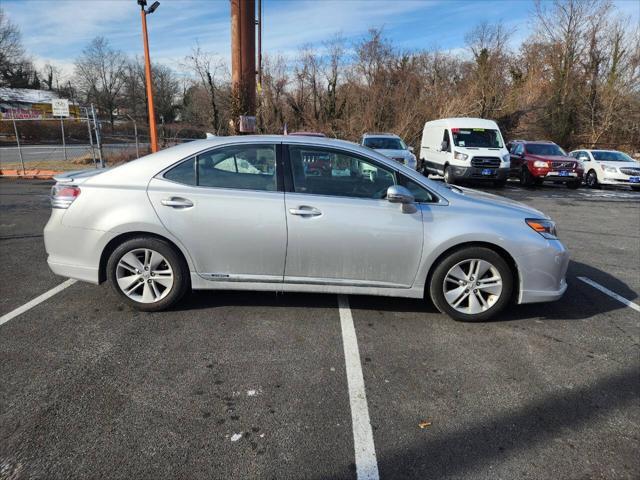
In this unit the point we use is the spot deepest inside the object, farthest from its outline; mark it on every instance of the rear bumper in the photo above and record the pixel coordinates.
(79, 272)
(73, 252)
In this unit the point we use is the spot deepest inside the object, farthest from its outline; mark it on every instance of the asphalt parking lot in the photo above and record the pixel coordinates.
(238, 385)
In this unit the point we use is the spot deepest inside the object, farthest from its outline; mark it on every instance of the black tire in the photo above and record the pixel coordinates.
(499, 183)
(436, 285)
(592, 180)
(574, 185)
(181, 279)
(448, 177)
(526, 179)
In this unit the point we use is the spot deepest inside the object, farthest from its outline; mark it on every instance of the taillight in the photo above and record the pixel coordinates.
(62, 196)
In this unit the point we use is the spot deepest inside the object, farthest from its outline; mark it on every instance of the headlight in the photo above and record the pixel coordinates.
(460, 156)
(506, 158)
(544, 227)
(540, 164)
(608, 169)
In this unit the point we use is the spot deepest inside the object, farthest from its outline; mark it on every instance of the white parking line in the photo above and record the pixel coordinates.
(366, 462)
(29, 305)
(606, 291)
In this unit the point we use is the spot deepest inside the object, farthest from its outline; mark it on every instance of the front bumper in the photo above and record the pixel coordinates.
(618, 179)
(542, 273)
(476, 173)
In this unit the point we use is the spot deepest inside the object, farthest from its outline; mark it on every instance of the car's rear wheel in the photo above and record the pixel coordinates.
(592, 180)
(148, 273)
(472, 284)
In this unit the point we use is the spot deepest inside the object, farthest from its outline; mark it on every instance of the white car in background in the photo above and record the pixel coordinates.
(608, 167)
(391, 146)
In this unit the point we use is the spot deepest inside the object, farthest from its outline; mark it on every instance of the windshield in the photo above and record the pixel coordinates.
(611, 156)
(545, 149)
(476, 138)
(384, 143)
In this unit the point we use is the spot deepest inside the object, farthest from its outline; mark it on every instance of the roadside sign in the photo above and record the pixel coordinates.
(247, 124)
(60, 107)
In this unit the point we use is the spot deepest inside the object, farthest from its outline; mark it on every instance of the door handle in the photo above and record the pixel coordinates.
(176, 202)
(305, 211)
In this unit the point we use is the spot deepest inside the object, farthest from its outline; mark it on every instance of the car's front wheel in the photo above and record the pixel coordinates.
(526, 179)
(448, 176)
(148, 273)
(471, 284)
(592, 180)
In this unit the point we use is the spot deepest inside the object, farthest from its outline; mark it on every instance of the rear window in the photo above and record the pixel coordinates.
(384, 143)
(476, 138)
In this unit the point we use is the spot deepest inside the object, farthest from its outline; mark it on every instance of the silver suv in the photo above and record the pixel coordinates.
(391, 146)
(298, 214)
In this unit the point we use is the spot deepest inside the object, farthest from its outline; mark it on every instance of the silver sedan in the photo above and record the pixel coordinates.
(298, 214)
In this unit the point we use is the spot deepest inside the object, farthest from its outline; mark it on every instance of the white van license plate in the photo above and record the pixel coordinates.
(634, 179)
(487, 171)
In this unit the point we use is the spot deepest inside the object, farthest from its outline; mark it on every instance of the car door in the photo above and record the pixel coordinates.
(341, 230)
(226, 206)
(517, 158)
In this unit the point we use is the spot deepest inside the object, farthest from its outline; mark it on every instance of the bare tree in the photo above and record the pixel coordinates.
(100, 74)
(16, 70)
(208, 70)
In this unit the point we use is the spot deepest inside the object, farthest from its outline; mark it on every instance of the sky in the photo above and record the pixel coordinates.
(58, 30)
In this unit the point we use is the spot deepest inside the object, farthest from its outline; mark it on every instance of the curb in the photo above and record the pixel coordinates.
(31, 173)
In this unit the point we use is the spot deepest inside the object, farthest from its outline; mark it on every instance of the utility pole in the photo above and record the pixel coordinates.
(153, 133)
(243, 65)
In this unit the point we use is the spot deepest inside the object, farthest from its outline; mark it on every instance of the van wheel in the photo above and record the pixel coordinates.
(472, 284)
(148, 274)
(448, 177)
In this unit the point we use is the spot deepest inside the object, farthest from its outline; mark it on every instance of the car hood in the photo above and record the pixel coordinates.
(619, 164)
(551, 158)
(478, 198)
(394, 153)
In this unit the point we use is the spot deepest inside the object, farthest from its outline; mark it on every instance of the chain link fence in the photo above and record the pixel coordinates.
(77, 143)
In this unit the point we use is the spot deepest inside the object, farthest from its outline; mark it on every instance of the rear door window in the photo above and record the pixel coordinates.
(241, 167)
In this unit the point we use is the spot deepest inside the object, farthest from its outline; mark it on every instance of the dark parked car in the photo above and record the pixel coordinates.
(535, 162)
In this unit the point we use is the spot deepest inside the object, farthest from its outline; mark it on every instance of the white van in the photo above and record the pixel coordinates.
(465, 149)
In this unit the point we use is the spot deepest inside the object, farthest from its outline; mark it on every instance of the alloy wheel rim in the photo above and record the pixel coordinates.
(144, 275)
(591, 179)
(472, 286)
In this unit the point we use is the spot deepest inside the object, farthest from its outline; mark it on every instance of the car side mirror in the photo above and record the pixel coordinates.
(583, 159)
(410, 149)
(401, 195)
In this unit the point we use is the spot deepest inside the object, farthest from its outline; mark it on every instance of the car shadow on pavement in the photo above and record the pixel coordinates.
(464, 451)
(581, 301)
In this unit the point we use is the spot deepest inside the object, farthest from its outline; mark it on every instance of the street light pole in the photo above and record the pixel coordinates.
(153, 133)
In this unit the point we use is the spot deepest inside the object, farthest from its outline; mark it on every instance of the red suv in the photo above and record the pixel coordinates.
(542, 161)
